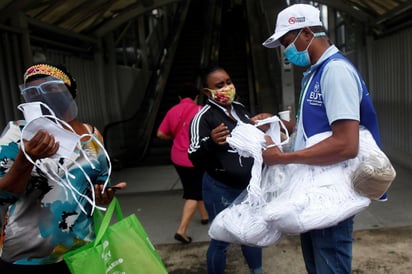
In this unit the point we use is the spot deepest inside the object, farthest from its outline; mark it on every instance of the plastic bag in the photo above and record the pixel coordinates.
(320, 197)
(243, 223)
(295, 198)
(374, 175)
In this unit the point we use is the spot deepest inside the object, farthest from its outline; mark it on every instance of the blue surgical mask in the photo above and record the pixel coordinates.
(300, 58)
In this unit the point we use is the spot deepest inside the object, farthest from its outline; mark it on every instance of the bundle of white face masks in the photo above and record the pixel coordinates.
(240, 140)
(242, 222)
(68, 142)
(294, 198)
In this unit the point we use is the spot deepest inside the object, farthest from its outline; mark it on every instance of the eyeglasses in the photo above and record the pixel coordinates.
(44, 88)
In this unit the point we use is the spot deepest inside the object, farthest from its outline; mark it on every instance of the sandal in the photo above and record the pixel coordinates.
(181, 239)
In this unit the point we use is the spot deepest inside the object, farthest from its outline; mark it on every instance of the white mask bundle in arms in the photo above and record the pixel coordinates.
(294, 198)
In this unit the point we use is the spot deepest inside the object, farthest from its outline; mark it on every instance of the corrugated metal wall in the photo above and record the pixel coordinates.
(98, 103)
(390, 71)
(10, 68)
(102, 103)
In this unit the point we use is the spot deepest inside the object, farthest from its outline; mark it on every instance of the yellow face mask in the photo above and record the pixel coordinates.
(223, 96)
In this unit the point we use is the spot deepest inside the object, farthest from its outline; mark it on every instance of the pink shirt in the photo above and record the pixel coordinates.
(177, 123)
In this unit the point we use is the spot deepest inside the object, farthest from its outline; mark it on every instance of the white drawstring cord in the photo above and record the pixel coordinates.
(84, 152)
(69, 187)
(91, 201)
(60, 181)
(109, 164)
(273, 130)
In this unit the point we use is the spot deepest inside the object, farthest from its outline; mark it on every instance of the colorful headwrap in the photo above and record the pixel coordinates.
(44, 69)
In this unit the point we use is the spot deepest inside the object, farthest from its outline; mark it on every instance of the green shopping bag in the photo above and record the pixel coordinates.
(121, 248)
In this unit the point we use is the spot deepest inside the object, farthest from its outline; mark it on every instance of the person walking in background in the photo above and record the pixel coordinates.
(175, 126)
(43, 219)
(334, 100)
(225, 177)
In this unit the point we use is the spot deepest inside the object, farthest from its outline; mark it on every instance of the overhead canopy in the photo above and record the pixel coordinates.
(86, 17)
(381, 16)
(101, 16)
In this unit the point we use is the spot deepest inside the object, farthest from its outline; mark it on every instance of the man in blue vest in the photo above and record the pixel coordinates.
(333, 104)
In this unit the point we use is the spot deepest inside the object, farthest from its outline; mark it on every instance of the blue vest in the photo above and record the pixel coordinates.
(314, 115)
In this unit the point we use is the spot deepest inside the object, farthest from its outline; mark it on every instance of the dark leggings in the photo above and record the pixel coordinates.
(57, 268)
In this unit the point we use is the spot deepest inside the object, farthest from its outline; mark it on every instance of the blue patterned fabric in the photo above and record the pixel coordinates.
(45, 221)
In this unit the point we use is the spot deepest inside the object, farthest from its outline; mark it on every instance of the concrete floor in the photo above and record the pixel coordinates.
(383, 232)
(154, 194)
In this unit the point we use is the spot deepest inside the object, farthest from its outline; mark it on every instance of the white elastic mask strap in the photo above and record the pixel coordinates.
(109, 168)
(67, 184)
(274, 130)
(92, 201)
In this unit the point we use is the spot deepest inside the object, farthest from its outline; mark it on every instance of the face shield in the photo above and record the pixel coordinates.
(52, 92)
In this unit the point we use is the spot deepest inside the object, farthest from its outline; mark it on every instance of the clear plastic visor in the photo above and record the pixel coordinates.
(42, 86)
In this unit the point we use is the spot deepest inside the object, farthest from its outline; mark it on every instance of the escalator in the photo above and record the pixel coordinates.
(185, 68)
(232, 56)
(205, 33)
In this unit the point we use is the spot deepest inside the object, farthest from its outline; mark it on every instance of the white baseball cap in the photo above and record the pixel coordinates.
(293, 17)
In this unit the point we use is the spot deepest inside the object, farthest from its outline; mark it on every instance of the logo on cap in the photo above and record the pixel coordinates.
(293, 20)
